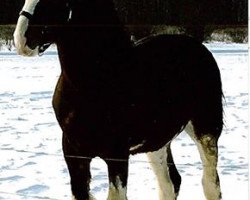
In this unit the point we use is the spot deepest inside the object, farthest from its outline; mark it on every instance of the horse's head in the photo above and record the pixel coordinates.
(37, 23)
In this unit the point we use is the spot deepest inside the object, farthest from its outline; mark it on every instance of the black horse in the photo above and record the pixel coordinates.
(116, 98)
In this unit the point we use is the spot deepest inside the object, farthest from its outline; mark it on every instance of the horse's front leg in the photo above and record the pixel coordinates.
(118, 176)
(79, 170)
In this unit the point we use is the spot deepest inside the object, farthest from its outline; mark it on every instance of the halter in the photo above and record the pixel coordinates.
(29, 16)
(26, 14)
(43, 47)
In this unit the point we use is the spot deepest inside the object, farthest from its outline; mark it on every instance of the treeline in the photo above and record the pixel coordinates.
(168, 12)
(238, 35)
(199, 18)
(9, 11)
(184, 12)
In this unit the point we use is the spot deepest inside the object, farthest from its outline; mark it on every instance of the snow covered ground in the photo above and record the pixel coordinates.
(31, 162)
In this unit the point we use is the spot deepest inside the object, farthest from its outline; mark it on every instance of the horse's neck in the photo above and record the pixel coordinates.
(86, 49)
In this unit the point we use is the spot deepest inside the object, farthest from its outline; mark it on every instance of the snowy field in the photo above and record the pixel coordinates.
(31, 162)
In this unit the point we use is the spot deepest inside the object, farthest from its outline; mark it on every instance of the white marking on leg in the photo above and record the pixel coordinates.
(210, 180)
(90, 198)
(117, 192)
(21, 28)
(74, 198)
(207, 146)
(138, 146)
(189, 129)
(158, 160)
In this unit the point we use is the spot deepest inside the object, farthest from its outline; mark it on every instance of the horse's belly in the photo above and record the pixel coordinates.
(144, 124)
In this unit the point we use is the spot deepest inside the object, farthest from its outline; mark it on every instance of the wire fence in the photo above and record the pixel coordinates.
(239, 166)
(35, 197)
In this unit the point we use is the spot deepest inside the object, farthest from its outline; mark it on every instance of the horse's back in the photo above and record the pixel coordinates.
(175, 51)
(178, 63)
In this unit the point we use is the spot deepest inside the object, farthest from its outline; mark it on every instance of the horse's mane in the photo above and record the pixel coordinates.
(102, 16)
(99, 11)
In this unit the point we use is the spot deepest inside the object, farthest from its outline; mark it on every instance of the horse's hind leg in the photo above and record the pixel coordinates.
(169, 180)
(208, 149)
